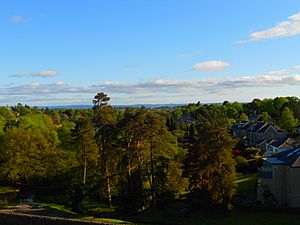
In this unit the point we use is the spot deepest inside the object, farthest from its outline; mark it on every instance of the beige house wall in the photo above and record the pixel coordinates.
(284, 185)
(293, 187)
(279, 184)
(263, 184)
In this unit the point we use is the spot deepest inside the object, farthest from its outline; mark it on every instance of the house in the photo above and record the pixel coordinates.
(257, 134)
(186, 119)
(240, 129)
(279, 145)
(279, 179)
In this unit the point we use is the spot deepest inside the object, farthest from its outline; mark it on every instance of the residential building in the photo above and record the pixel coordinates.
(275, 146)
(279, 179)
(257, 134)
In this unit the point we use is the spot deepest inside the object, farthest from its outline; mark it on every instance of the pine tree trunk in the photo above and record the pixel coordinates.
(106, 174)
(84, 169)
(153, 192)
(129, 177)
(108, 187)
(84, 162)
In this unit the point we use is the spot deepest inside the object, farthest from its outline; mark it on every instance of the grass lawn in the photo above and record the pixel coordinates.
(246, 183)
(60, 210)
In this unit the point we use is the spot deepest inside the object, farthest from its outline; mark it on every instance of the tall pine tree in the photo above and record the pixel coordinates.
(210, 166)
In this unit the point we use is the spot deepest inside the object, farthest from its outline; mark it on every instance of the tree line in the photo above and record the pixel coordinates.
(134, 158)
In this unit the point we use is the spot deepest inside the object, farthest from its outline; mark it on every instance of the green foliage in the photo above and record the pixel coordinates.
(210, 165)
(2, 124)
(86, 148)
(238, 106)
(150, 159)
(64, 133)
(6, 113)
(241, 163)
(27, 156)
(255, 107)
(265, 117)
(294, 105)
(288, 121)
(243, 117)
(250, 152)
(279, 103)
(232, 112)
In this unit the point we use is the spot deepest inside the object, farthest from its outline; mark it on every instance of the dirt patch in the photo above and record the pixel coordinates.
(22, 219)
(34, 209)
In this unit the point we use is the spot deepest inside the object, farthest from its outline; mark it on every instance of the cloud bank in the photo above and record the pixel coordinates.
(147, 91)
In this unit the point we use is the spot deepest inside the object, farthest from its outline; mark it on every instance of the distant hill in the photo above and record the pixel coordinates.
(116, 106)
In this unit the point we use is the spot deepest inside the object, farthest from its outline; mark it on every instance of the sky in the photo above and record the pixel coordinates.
(55, 52)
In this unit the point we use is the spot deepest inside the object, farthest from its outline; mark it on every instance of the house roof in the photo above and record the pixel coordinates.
(259, 127)
(289, 157)
(261, 142)
(275, 142)
(240, 125)
(285, 143)
(262, 127)
(274, 161)
(256, 127)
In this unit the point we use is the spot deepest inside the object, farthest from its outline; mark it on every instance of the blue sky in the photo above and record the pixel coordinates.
(55, 52)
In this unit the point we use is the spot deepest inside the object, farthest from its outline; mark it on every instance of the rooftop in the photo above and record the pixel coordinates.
(289, 157)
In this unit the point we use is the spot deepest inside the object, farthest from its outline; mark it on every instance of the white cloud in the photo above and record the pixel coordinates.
(284, 71)
(286, 28)
(59, 84)
(20, 75)
(296, 67)
(33, 85)
(44, 74)
(214, 65)
(278, 72)
(17, 19)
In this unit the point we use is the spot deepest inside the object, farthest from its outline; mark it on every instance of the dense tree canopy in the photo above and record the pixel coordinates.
(135, 157)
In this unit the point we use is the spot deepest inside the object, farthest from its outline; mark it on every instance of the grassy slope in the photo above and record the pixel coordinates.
(246, 185)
